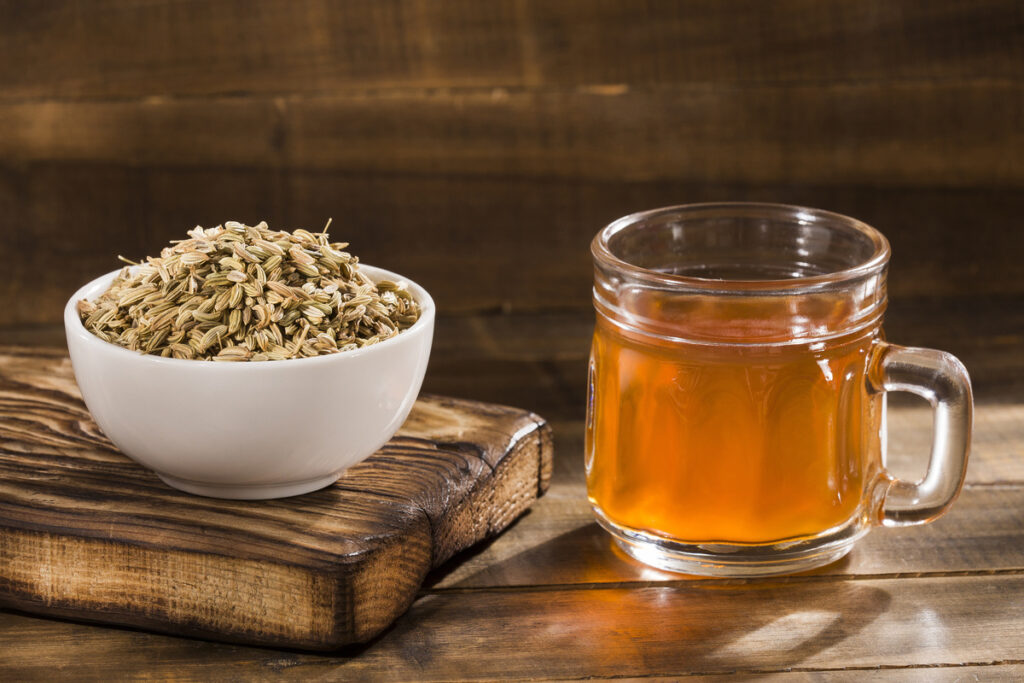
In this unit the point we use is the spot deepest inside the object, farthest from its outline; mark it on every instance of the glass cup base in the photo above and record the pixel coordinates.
(735, 560)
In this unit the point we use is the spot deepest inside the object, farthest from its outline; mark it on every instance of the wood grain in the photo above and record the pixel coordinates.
(559, 544)
(952, 135)
(515, 244)
(554, 576)
(956, 673)
(694, 628)
(984, 332)
(89, 534)
(504, 135)
(120, 48)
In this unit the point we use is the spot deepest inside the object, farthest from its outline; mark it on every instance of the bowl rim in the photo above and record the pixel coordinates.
(73, 326)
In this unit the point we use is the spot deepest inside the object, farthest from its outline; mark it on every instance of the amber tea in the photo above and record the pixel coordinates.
(736, 414)
(696, 441)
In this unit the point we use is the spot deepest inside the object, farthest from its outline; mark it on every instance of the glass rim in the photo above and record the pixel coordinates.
(877, 262)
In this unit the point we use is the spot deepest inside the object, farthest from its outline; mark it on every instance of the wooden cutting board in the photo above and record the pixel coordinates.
(86, 533)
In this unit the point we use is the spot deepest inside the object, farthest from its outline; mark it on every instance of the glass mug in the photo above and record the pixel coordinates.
(736, 403)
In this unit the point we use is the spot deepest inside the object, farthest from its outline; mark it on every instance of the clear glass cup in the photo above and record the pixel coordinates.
(736, 402)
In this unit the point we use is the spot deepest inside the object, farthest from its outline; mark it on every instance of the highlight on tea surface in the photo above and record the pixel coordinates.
(248, 293)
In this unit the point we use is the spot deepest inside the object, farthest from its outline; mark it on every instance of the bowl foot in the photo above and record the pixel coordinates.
(248, 491)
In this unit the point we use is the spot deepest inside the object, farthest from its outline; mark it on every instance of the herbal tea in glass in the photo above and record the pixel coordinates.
(736, 415)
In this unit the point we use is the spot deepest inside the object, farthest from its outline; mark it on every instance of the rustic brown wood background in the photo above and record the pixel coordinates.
(477, 147)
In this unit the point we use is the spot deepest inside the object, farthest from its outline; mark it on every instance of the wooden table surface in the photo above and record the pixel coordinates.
(551, 598)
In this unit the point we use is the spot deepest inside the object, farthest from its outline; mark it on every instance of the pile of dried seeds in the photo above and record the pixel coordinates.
(238, 292)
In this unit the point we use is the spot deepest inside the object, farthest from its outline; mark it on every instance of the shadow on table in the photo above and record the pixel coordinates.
(584, 555)
(582, 597)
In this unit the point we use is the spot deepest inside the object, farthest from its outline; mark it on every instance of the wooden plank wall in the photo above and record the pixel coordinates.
(477, 146)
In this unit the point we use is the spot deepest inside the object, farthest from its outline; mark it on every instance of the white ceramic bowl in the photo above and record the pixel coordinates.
(250, 430)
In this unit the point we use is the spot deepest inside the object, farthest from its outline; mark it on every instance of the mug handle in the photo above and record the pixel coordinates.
(942, 380)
